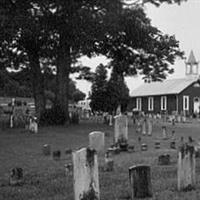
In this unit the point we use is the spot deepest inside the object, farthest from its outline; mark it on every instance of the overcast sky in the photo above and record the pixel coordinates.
(182, 21)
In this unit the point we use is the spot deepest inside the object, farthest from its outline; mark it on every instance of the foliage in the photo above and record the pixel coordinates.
(99, 89)
(117, 93)
(53, 116)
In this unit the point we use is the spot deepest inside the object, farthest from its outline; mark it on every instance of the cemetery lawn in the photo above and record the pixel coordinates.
(45, 179)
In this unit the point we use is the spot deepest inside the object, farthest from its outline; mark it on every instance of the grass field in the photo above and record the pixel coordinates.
(45, 179)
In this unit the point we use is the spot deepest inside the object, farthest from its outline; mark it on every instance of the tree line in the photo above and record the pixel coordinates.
(51, 35)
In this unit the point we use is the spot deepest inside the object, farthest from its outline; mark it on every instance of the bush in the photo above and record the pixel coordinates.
(53, 116)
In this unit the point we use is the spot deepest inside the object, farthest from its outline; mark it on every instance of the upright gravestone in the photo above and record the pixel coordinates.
(164, 132)
(144, 122)
(96, 141)
(85, 174)
(186, 168)
(140, 181)
(149, 126)
(121, 129)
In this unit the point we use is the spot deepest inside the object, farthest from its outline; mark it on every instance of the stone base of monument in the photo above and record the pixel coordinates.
(173, 145)
(144, 147)
(131, 148)
(68, 151)
(16, 176)
(157, 145)
(123, 146)
(56, 155)
(164, 159)
(114, 150)
(46, 149)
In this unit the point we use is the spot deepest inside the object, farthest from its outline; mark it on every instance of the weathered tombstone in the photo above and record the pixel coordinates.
(110, 120)
(173, 145)
(149, 126)
(131, 148)
(173, 135)
(68, 151)
(144, 147)
(68, 169)
(186, 168)
(109, 163)
(138, 126)
(46, 149)
(16, 176)
(121, 129)
(157, 145)
(140, 181)
(164, 159)
(33, 126)
(11, 121)
(56, 155)
(144, 127)
(85, 174)
(96, 141)
(164, 132)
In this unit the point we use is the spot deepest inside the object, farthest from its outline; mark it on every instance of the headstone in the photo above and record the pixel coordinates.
(173, 145)
(68, 151)
(164, 132)
(56, 155)
(121, 129)
(173, 135)
(164, 159)
(140, 181)
(85, 174)
(11, 121)
(96, 141)
(109, 163)
(33, 127)
(110, 120)
(46, 149)
(149, 127)
(68, 169)
(157, 145)
(118, 111)
(144, 147)
(131, 148)
(186, 168)
(144, 127)
(138, 126)
(16, 176)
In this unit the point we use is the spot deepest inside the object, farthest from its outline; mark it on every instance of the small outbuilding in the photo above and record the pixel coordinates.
(171, 96)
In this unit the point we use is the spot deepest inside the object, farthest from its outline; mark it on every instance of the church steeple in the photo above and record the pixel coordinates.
(192, 66)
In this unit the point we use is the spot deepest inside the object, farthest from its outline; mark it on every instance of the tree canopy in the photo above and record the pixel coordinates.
(55, 33)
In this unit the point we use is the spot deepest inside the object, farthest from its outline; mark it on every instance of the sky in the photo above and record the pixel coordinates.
(183, 21)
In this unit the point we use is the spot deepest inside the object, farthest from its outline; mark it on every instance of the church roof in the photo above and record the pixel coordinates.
(192, 59)
(171, 86)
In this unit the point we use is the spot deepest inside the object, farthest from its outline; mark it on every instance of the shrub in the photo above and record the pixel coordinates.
(53, 116)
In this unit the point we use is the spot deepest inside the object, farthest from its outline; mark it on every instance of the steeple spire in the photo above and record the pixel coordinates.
(192, 68)
(192, 59)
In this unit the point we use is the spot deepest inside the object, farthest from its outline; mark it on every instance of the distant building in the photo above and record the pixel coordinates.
(169, 96)
(84, 104)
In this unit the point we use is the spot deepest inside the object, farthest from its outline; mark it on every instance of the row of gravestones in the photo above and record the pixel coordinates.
(86, 181)
(86, 178)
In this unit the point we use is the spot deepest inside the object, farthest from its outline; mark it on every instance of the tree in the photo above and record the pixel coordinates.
(117, 93)
(99, 89)
(65, 30)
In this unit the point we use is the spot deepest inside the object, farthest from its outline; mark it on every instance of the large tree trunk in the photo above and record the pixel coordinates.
(63, 72)
(37, 83)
